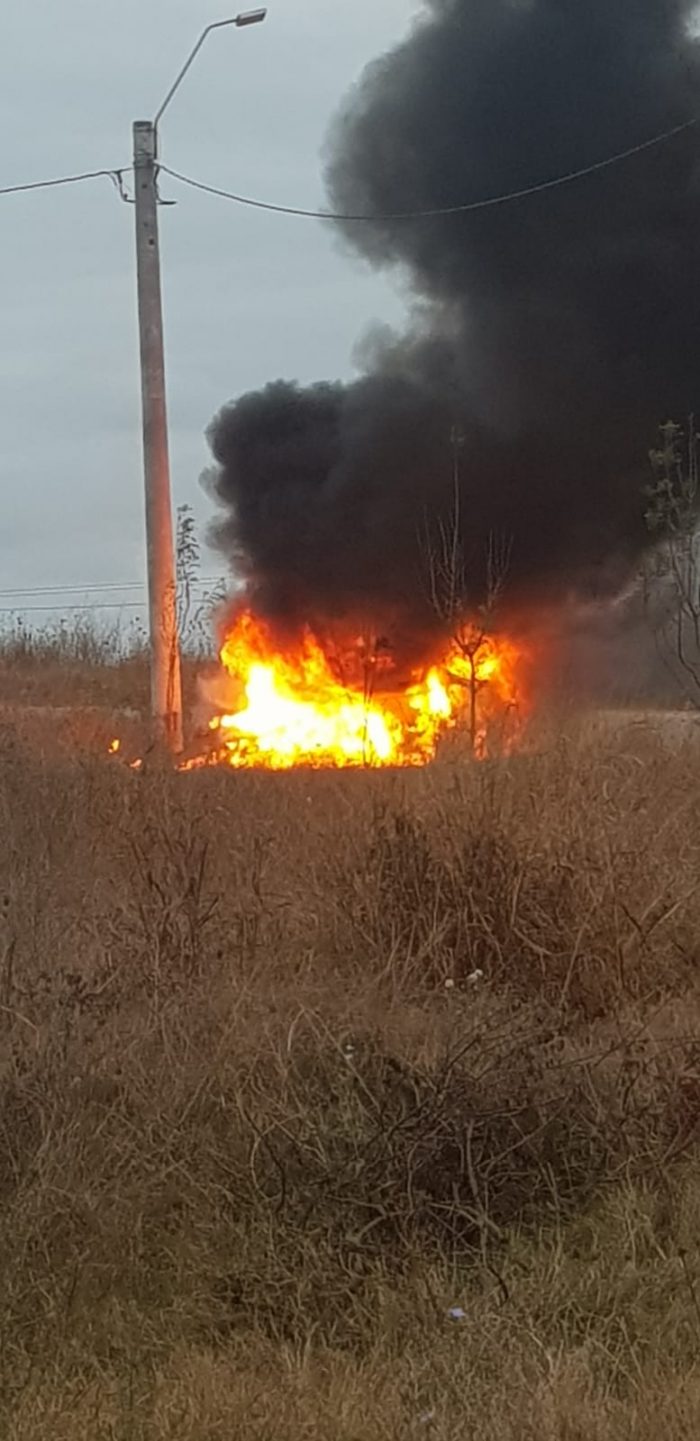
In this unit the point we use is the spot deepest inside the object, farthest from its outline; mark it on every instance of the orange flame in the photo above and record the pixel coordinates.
(288, 707)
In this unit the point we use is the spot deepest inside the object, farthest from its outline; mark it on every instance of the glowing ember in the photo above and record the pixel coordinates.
(289, 707)
(115, 748)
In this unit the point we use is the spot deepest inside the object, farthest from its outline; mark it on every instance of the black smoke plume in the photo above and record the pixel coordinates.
(553, 334)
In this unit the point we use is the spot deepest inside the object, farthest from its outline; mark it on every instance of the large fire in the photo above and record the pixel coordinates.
(306, 704)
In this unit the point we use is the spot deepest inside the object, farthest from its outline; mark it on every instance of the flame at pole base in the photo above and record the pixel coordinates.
(304, 704)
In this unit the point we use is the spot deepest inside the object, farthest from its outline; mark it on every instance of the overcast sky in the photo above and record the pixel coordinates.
(248, 297)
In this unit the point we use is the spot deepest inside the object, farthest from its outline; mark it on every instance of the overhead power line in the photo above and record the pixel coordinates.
(54, 609)
(116, 175)
(428, 214)
(70, 589)
(108, 588)
(20, 610)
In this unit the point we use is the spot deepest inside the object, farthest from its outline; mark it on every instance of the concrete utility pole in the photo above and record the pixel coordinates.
(166, 683)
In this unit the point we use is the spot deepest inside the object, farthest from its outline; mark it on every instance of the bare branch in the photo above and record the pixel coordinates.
(671, 574)
(448, 592)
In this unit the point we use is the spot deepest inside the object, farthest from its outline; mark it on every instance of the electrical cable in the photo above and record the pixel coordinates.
(108, 588)
(35, 609)
(83, 609)
(444, 210)
(115, 175)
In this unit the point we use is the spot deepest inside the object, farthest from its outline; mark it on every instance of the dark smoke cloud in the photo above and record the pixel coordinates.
(556, 332)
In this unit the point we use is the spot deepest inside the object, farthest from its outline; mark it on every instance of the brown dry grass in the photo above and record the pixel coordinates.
(293, 1065)
(77, 665)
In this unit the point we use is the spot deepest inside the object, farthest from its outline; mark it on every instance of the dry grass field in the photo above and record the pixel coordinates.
(337, 1107)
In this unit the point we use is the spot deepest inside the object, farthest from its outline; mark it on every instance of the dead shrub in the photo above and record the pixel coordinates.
(471, 896)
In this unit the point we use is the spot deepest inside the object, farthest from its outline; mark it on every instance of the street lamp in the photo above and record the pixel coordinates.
(248, 17)
(166, 684)
(251, 17)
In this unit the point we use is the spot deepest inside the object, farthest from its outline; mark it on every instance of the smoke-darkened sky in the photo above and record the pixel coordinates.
(556, 332)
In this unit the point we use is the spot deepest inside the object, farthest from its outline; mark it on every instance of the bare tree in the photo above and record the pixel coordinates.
(469, 627)
(187, 554)
(671, 571)
(194, 611)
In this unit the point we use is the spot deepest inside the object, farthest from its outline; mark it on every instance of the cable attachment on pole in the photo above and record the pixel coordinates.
(117, 176)
(159, 198)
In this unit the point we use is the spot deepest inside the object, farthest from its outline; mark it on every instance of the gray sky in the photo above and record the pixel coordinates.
(248, 297)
